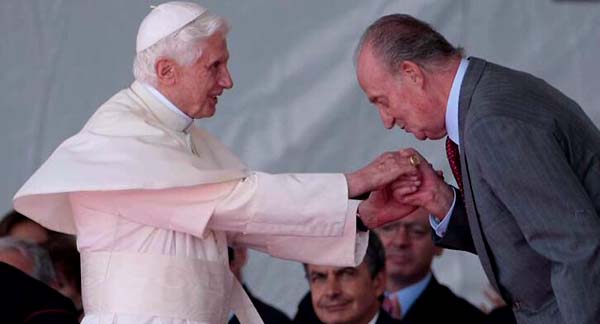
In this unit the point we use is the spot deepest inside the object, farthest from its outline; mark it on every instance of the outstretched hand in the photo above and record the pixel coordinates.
(379, 173)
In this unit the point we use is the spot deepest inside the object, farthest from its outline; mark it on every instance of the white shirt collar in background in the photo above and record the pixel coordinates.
(408, 295)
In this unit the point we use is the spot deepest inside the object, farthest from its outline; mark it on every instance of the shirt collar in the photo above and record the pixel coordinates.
(173, 117)
(452, 106)
(408, 295)
(374, 319)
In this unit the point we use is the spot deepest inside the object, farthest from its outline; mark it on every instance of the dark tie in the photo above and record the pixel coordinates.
(454, 160)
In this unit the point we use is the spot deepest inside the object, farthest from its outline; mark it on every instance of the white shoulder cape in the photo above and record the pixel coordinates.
(129, 143)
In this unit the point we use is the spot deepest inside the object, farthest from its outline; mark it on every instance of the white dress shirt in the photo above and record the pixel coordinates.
(453, 133)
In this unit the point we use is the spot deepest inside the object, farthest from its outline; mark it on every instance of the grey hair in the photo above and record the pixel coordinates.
(398, 37)
(43, 269)
(181, 46)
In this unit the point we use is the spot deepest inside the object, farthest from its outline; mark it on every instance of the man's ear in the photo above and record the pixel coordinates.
(411, 72)
(380, 281)
(166, 71)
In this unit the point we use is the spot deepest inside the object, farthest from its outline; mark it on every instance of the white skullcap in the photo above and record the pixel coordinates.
(164, 20)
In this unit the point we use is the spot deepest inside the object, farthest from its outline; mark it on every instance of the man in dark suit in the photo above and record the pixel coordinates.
(409, 252)
(526, 159)
(347, 295)
(26, 277)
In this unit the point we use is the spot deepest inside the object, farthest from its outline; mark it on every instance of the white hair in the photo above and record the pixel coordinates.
(181, 46)
(43, 269)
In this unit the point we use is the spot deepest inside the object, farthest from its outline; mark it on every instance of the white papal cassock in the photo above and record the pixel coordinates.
(155, 201)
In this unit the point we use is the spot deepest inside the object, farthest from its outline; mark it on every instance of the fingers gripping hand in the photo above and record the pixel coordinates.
(379, 173)
(381, 208)
(433, 193)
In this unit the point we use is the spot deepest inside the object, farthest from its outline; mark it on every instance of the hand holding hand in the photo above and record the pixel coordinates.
(377, 174)
(381, 208)
(433, 193)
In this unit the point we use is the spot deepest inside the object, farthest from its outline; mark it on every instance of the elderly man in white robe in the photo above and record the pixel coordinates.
(155, 201)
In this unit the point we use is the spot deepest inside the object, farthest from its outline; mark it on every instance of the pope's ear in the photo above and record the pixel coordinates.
(165, 71)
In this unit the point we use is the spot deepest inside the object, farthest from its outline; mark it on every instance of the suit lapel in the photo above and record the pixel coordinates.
(472, 77)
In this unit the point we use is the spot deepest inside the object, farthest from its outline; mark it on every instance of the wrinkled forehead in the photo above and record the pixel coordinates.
(215, 45)
(370, 71)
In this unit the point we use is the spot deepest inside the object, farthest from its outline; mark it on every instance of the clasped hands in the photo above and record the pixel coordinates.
(399, 183)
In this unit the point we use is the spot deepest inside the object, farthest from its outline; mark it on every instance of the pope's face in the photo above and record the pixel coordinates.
(399, 99)
(200, 84)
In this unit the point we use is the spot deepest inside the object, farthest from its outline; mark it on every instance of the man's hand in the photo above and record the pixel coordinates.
(379, 173)
(433, 193)
(381, 208)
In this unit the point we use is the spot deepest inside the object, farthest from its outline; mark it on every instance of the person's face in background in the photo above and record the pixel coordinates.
(345, 295)
(409, 249)
(29, 231)
(17, 260)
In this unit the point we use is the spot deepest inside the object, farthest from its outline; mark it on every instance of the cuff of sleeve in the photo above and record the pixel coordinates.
(345, 250)
(440, 227)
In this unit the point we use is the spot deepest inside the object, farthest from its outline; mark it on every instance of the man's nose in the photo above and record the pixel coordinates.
(225, 80)
(401, 237)
(333, 287)
(387, 120)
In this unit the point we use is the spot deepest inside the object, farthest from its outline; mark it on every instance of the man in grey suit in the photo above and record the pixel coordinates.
(525, 156)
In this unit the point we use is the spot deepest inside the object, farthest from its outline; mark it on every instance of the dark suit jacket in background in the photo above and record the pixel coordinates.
(530, 161)
(385, 318)
(24, 299)
(268, 313)
(501, 315)
(438, 304)
(306, 312)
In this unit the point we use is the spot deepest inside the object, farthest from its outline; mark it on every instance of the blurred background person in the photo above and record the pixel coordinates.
(29, 258)
(61, 248)
(16, 225)
(28, 280)
(409, 253)
(65, 259)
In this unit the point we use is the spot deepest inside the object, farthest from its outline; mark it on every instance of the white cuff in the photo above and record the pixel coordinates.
(440, 227)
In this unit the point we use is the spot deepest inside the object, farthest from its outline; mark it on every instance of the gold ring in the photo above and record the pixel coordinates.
(413, 160)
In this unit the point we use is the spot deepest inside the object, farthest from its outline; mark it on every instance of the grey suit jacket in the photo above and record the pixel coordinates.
(530, 161)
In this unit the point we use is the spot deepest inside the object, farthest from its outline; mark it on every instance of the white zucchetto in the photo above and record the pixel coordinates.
(164, 20)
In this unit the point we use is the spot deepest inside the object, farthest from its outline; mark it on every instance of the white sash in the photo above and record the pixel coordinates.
(164, 286)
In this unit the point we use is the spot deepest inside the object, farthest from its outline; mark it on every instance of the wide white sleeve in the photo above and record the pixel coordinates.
(285, 204)
(281, 204)
(348, 249)
(272, 213)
